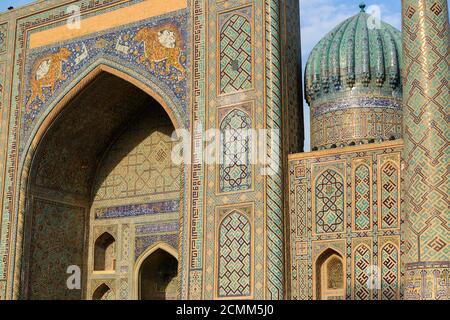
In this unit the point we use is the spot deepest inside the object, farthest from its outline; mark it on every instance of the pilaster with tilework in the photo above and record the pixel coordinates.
(426, 47)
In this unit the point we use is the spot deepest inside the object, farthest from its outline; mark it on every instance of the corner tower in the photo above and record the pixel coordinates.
(426, 47)
(352, 84)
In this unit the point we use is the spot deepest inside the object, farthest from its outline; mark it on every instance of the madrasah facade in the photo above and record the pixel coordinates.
(91, 93)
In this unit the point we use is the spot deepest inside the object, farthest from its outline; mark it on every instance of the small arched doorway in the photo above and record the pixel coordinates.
(103, 292)
(157, 275)
(330, 276)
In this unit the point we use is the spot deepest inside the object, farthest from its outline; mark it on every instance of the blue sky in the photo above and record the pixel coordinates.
(318, 17)
(4, 4)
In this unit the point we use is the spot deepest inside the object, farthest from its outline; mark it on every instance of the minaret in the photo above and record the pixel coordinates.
(426, 101)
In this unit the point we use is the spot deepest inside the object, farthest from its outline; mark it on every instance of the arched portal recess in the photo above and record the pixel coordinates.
(157, 274)
(64, 179)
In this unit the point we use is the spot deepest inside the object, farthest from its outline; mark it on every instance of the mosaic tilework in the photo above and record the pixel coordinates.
(427, 281)
(193, 276)
(360, 248)
(3, 37)
(12, 222)
(302, 287)
(220, 105)
(292, 75)
(137, 189)
(235, 150)
(148, 235)
(390, 180)
(266, 193)
(362, 262)
(426, 47)
(358, 102)
(343, 127)
(134, 169)
(275, 221)
(389, 263)
(329, 204)
(53, 68)
(234, 256)
(157, 228)
(362, 203)
(2, 290)
(124, 289)
(2, 83)
(57, 243)
(194, 273)
(236, 65)
(301, 221)
(126, 246)
(136, 210)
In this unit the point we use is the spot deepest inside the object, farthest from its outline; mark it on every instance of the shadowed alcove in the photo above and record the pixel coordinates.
(67, 173)
(330, 276)
(158, 277)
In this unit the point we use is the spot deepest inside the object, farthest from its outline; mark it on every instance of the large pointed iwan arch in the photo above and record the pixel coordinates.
(45, 123)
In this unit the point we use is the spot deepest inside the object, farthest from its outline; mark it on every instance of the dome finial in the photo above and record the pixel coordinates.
(362, 6)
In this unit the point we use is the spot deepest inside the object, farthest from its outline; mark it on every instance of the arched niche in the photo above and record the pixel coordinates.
(156, 274)
(104, 253)
(330, 276)
(103, 292)
(58, 176)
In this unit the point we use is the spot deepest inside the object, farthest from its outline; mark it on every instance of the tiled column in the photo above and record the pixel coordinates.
(427, 149)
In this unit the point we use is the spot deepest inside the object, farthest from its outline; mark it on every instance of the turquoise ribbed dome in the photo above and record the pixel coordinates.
(356, 65)
(354, 55)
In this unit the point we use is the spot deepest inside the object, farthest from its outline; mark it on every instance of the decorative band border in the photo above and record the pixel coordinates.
(136, 210)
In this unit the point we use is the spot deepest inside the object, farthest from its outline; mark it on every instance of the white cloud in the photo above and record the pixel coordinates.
(318, 17)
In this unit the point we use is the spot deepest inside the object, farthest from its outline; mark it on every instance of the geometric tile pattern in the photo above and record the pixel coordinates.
(360, 244)
(235, 142)
(112, 44)
(235, 55)
(355, 123)
(426, 47)
(146, 169)
(3, 37)
(192, 276)
(234, 256)
(274, 122)
(330, 203)
(362, 219)
(302, 282)
(61, 65)
(136, 210)
(108, 47)
(2, 83)
(301, 221)
(57, 243)
(143, 242)
(361, 272)
(390, 283)
(389, 196)
(427, 281)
